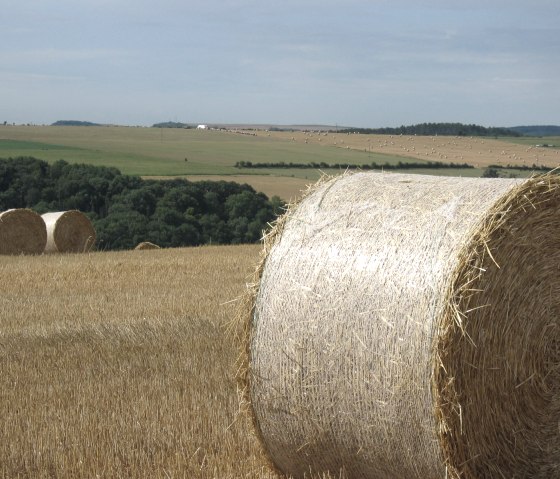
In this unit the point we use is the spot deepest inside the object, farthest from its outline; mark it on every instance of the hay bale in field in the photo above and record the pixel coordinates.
(69, 232)
(147, 245)
(22, 231)
(408, 326)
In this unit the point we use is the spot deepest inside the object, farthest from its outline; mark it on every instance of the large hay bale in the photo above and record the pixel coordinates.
(22, 231)
(69, 232)
(407, 326)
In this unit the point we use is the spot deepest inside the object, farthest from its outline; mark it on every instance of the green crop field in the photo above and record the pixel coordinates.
(537, 140)
(170, 152)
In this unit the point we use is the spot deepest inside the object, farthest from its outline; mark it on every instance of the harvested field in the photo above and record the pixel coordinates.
(119, 365)
(477, 151)
(407, 326)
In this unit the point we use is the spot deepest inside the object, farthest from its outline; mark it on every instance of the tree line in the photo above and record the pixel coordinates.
(354, 166)
(432, 129)
(127, 210)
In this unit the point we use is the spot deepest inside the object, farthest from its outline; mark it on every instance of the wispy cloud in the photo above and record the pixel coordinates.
(53, 55)
(374, 61)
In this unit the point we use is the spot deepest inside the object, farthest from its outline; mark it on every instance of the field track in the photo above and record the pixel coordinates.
(119, 365)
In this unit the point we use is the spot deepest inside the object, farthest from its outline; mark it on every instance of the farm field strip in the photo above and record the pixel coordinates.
(195, 154)
(121, 365)
(163, 151)
(166, 151)
(477, 151)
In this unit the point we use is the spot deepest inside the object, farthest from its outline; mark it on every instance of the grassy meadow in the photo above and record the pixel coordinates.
(162, 151)
(120, 365)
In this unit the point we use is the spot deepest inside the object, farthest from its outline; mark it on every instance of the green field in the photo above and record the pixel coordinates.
(208, 154)
(170, 152)
(536, 140)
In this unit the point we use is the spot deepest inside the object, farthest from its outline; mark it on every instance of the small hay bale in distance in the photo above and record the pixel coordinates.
(69, 232)
(146, 245)
(22, 231)
(407, 326)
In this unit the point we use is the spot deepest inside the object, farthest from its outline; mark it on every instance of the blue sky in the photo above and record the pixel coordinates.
(356, 63)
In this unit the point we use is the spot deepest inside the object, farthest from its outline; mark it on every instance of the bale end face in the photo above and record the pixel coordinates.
(22, 231)
(69, 232)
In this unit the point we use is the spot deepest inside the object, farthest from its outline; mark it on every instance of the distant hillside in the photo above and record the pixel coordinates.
(74, 123)
(537, 130)
(171, 124)
(443, 129)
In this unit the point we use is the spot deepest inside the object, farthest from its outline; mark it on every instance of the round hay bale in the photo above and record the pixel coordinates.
(147, 245)
(22, 231)
(69, 232)
(407, 326)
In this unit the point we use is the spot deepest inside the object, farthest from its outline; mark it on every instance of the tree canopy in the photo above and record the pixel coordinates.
(127, 210)
(445, 129)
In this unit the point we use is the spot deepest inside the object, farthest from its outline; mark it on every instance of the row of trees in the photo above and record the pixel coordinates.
(408, 165)
(444, 129)
(126, 210)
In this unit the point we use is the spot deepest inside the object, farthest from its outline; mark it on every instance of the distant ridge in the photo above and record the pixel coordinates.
(537, 130)
(250, 126)
(74, 123)
(171, 124)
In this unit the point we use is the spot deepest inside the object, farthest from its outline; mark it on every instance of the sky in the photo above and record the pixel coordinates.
(355, 63)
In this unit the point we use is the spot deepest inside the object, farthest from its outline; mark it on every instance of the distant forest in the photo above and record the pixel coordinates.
(537, 130)
(432, 129)
(74, 123)
(171, 124)
(127, 210)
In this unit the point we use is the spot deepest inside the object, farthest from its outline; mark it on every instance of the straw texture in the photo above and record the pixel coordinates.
(407, 326)
(68, 232)
(22, 231)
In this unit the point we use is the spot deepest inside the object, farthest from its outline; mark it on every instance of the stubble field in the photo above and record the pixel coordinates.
(120, 365)
(476, 151)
